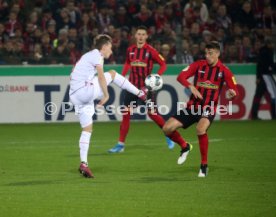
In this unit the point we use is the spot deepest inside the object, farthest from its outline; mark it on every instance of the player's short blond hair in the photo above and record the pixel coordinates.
(101, 40)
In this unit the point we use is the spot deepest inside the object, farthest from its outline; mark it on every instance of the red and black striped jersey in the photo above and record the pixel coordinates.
(208, 81)
(140, 62)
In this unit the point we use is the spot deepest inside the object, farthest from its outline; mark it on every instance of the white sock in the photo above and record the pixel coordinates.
(121, 143)
(123, 83)
(84, 145)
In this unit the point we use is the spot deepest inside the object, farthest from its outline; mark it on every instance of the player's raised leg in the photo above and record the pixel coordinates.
(124, 84)
(159, 120)
(170, 130)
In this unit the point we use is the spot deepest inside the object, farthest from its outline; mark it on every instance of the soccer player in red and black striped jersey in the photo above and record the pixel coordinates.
(139, 60)
(209, 77)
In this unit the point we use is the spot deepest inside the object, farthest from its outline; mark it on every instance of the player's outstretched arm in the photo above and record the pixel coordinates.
(185, 74)
(160, 60)
(230, 80)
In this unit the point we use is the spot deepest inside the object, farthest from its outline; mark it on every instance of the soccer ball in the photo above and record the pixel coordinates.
(154, 82)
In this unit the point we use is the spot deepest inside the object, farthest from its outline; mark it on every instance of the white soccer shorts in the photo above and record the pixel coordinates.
(83, 99)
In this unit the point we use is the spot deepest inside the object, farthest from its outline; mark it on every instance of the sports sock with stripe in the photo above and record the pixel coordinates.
(123, 83)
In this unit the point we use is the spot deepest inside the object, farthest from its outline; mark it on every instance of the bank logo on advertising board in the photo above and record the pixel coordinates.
(13, 88)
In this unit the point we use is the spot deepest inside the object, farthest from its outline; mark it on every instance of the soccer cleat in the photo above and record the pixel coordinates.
(143, 94)
(117, 148)
(184, 153)
(170, 143)
(85, 171)
(203, 171)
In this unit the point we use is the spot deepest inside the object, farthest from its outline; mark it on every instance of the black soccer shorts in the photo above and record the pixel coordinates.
(188, 117)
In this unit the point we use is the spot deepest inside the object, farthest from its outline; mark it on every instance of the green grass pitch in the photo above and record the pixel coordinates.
(39, 177)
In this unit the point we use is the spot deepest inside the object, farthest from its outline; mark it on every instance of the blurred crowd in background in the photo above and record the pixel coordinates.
(59, 32)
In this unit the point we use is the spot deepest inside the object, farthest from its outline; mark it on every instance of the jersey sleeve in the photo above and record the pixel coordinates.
(126, 65)
(160, 60)
(98, 60)
(230, 80)
(186, 73)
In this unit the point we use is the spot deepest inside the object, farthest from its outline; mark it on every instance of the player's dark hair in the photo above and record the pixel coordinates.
(101, 40)
(213, 45)
(142, 28)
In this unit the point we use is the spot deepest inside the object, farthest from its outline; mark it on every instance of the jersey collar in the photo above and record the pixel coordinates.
(144, 46)
(99, 52)
(219, 63)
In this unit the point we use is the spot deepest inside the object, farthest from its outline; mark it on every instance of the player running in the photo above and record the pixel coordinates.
(209, 77)
(85, 87)
(139, 60)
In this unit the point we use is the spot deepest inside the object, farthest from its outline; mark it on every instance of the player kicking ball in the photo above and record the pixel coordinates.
(209, 77)
(88, 83)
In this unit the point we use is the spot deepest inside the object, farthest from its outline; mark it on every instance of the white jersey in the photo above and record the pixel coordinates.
(85, 69)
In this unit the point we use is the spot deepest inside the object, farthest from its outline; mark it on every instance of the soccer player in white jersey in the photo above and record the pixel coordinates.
(88, 83)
